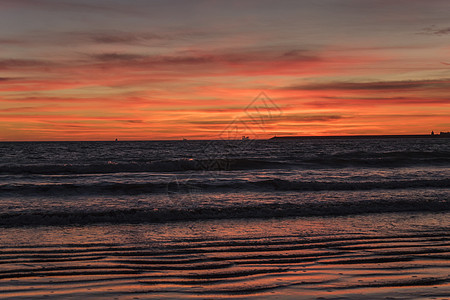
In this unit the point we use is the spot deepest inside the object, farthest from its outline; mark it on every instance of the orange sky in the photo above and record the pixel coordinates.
(152, 70)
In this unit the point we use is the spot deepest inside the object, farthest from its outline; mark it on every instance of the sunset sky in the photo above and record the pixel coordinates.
(152, 70)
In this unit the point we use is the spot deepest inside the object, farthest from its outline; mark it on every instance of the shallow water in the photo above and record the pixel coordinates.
(401, 254)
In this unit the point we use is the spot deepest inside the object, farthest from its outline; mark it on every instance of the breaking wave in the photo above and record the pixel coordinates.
(267, 210)
(213, 186)
(335, 160)
(132, 167)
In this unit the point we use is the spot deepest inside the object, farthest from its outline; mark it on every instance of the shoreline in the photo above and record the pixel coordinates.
(298, 258)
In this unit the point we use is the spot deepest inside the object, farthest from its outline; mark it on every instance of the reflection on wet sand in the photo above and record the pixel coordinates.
(306, 258)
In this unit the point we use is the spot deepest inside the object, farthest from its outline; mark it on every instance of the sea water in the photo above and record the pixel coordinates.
(291, 218)
(63, 183)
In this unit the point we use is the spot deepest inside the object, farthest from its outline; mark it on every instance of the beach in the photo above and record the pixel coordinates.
(308, 219)
(400, 255)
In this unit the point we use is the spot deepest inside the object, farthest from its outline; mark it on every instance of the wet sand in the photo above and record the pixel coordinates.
(375, 256)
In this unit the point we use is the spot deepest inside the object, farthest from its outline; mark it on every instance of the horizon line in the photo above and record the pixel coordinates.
(218, 139)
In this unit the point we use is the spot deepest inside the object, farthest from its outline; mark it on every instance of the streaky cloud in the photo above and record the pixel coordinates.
(108, 57)
(19, 63)
(292, 118)
(434, 30)
(240, 56)
(104, 37)
(378, 85)
(60, 5)
(129, 37)
(340, 102)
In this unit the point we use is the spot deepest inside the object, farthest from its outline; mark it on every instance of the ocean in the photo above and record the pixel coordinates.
(300, 219)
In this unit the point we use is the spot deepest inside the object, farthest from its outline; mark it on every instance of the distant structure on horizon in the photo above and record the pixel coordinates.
(442, 133)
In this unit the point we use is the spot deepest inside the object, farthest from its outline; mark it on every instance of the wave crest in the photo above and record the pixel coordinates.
(273, 210)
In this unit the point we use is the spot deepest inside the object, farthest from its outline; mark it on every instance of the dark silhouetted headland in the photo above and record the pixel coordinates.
(396, 136)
